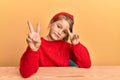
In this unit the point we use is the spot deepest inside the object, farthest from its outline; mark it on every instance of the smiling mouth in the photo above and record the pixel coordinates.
(57, 35)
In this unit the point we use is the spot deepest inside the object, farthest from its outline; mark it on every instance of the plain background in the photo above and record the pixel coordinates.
(96, 21)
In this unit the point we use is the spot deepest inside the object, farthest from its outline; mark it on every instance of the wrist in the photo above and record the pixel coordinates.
(75, 43)
(36, 49)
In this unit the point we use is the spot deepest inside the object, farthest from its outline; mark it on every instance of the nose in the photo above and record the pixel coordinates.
(60, 32)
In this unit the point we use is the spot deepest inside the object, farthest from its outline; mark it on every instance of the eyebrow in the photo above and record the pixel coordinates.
(60, 25)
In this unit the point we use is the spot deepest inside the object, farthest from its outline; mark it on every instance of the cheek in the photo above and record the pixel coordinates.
(64, 35)
(51, 28)
(54, 28)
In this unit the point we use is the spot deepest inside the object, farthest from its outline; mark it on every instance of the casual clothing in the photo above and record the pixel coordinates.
(53, 53)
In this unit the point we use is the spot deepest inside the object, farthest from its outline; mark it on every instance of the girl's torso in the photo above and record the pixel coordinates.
(54, 53)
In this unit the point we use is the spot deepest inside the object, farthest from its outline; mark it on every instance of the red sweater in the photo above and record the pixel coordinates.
(53, 53)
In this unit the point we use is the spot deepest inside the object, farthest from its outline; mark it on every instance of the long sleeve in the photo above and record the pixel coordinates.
(29, 63)
(80, 56)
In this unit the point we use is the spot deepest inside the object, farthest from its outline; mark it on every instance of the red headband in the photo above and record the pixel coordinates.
(63, 13)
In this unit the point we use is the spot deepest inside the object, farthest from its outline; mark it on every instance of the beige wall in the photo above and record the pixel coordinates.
(96, 21)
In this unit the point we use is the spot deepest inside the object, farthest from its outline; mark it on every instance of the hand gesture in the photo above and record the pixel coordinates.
(73, 37)
(33, 38)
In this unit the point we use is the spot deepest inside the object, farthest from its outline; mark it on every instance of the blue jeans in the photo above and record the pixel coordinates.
(71, 63)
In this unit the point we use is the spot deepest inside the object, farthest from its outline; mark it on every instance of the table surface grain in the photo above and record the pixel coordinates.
(64, 73)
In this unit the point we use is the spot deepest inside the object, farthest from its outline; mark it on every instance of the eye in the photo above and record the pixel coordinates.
(65, 32)
(58, 26)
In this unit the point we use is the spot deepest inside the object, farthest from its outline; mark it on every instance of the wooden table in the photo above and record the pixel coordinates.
(64, 73)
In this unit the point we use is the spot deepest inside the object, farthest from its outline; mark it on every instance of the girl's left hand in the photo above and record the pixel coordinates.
(73, 37)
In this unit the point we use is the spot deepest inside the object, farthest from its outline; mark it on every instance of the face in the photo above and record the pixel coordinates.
(58, 30)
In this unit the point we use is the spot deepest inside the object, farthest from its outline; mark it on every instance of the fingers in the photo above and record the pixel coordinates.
(30, 27)
(70, 33)
(37, 40)
(30, 35)
(38, 28)
(75, 36)
(34, 37)
(28, 40)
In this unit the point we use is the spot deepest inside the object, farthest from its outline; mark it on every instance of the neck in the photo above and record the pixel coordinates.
(48, 38)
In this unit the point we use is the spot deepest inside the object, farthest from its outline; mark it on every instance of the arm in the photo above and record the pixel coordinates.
(79, 53)
(29, 63)
(80, 56)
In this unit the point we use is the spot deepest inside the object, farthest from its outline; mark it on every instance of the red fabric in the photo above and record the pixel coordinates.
(53, 53)
(63, 13)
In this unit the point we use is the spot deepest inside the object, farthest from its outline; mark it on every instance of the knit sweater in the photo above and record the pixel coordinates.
(53, 54)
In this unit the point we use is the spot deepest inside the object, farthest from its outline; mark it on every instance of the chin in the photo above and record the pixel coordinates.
(55, 38)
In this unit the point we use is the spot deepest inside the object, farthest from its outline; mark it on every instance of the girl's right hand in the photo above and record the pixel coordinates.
(33, 38)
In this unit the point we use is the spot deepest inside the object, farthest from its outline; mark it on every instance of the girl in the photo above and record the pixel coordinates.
(53, 49)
